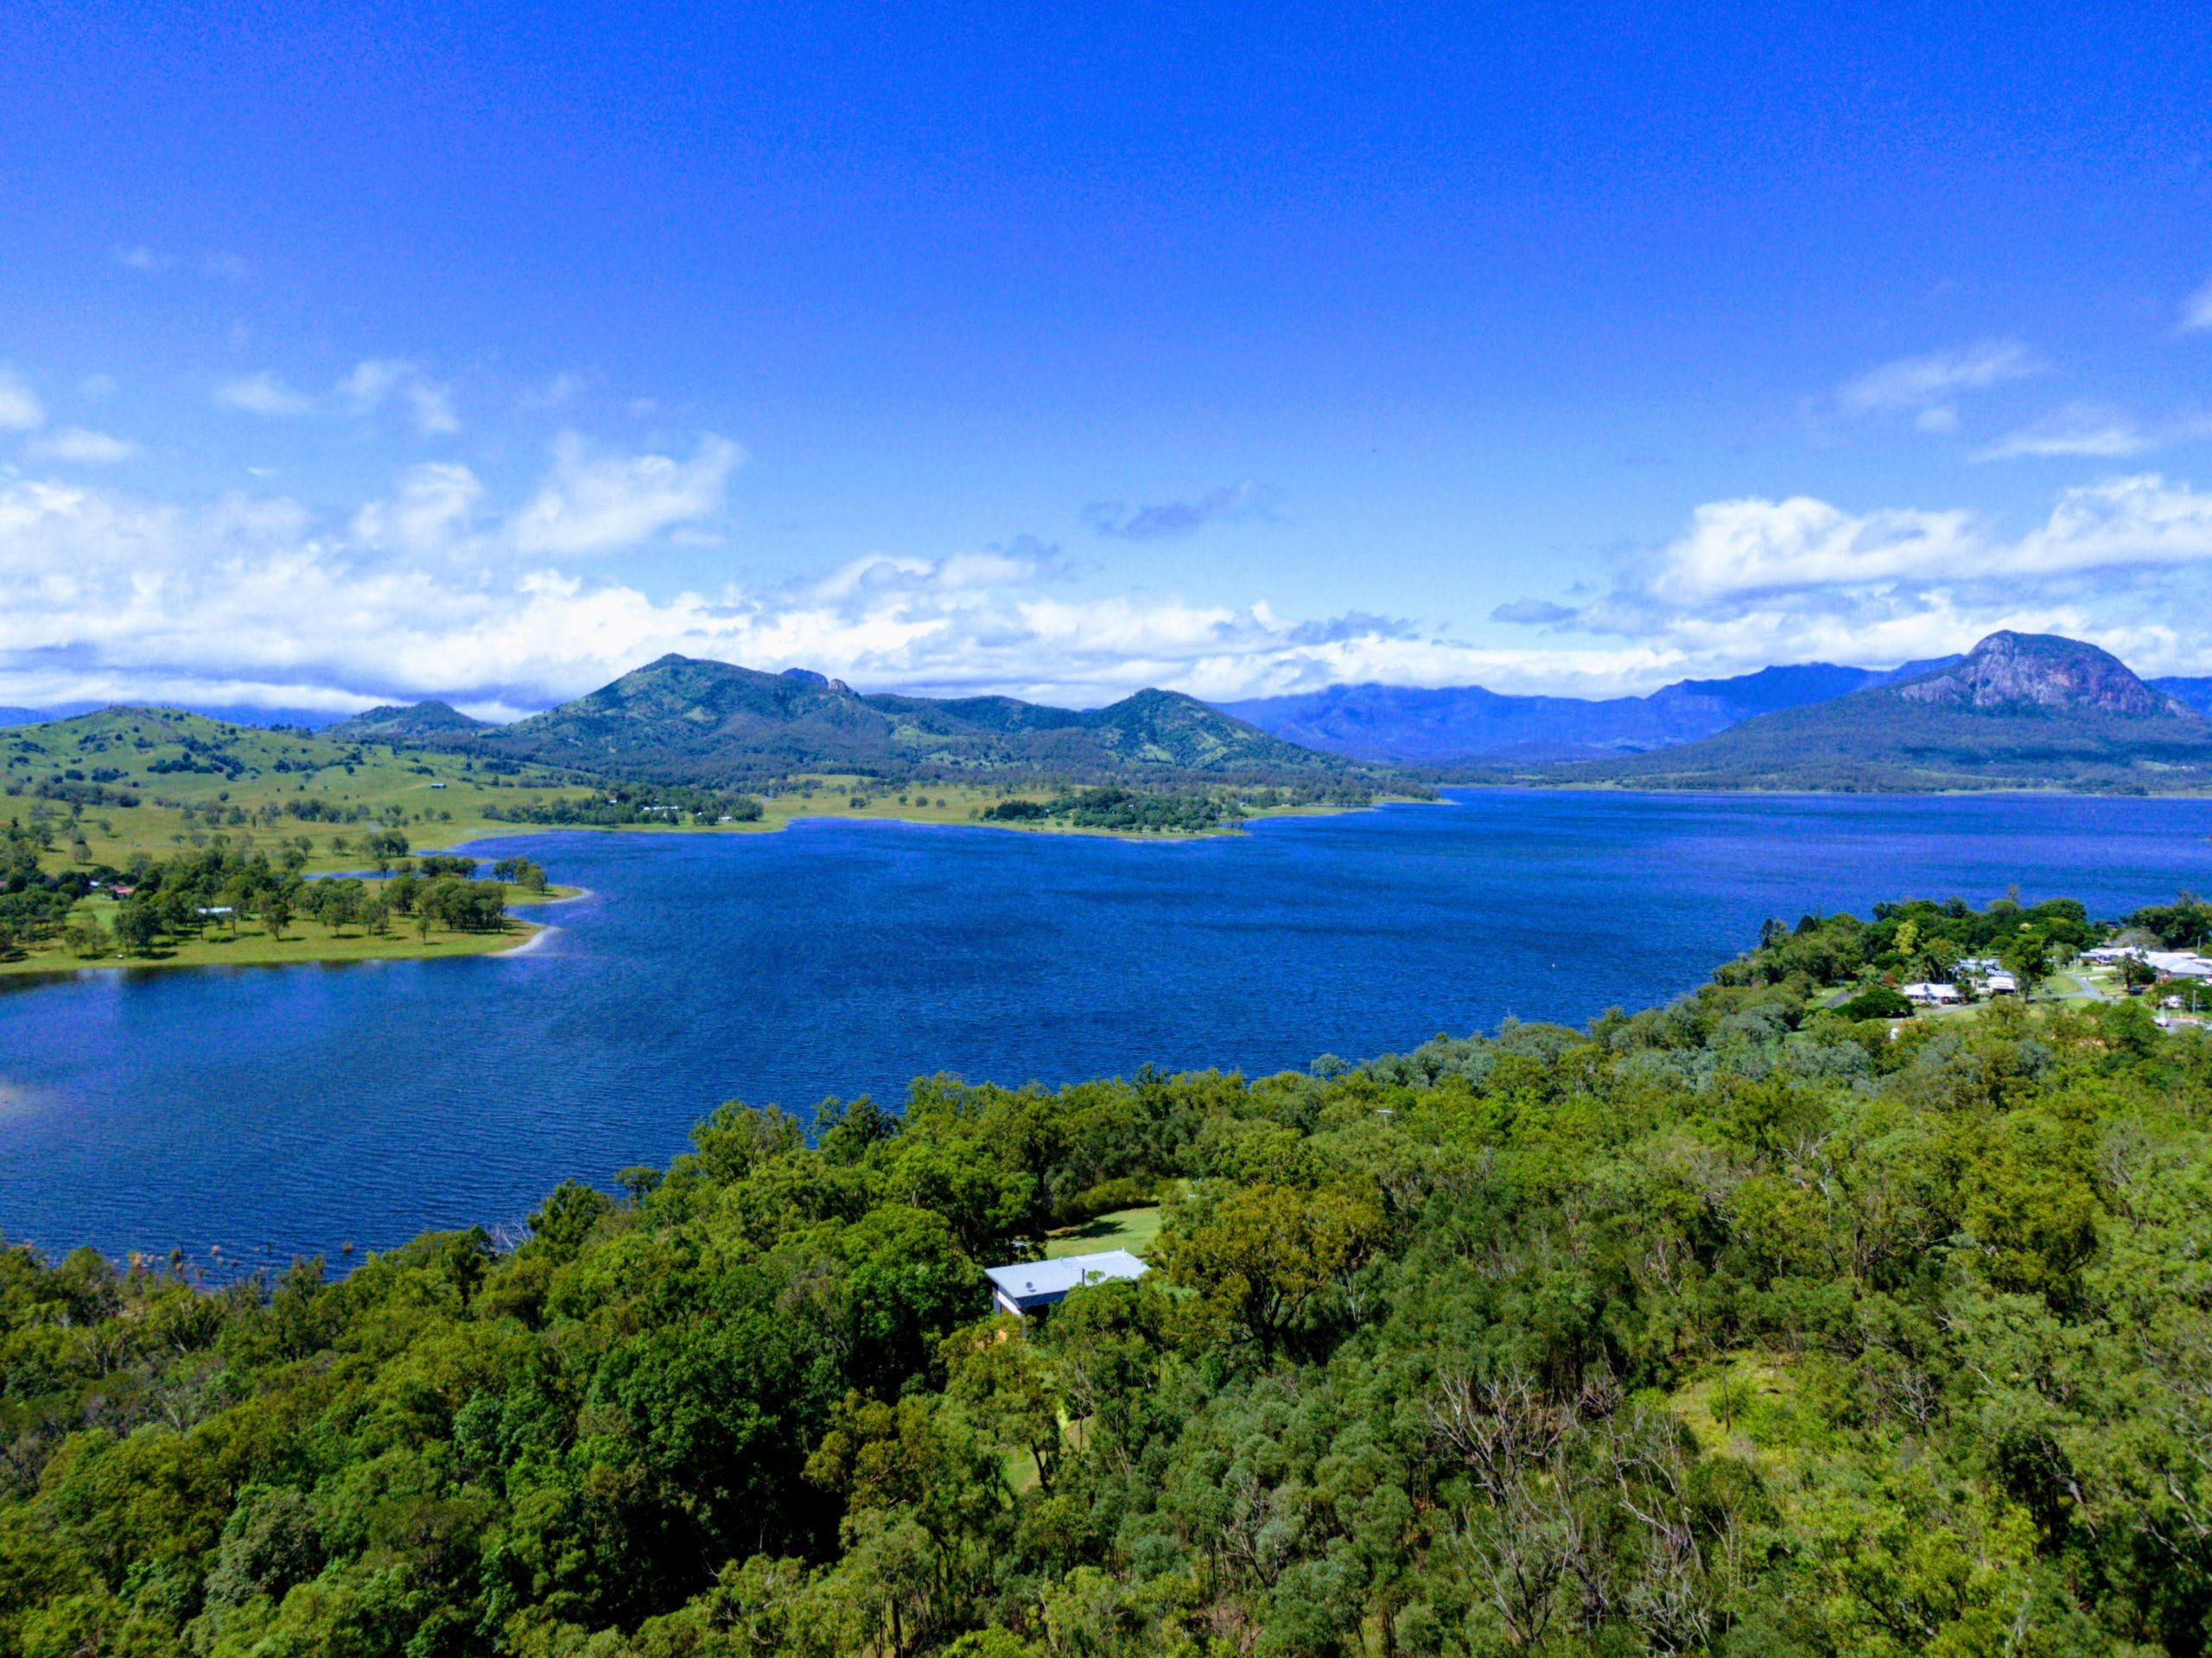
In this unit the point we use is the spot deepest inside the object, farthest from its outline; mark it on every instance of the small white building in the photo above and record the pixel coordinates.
(1933, 995)
(1032, 1285)
(2001, 984)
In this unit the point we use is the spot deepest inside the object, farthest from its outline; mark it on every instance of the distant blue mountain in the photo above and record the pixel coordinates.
(2197, 693)
(20, 716)
(1434, 727)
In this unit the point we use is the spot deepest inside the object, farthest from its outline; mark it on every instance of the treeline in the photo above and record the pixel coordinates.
(1130, 810)
(1172, 812)
(615, 806)
(1734, 1326)
(162, 903)
(185, 896)
(34, 906)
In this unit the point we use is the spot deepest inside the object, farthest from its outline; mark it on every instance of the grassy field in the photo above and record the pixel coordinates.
(1133, 1229)
(195, 778)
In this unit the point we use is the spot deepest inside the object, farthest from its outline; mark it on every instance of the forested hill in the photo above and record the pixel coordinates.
(683, 719)
(2019, 711)
(1418, 726)
(1733, 1327)
(411, 723)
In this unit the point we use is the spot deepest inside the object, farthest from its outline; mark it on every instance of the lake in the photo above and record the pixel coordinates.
(248, 1115)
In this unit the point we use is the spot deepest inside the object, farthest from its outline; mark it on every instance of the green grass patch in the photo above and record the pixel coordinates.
(1133, 1229)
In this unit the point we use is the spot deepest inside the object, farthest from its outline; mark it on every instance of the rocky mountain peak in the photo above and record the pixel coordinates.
(2011, 671)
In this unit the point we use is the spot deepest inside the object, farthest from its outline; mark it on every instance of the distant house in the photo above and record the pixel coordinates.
(1032, 1285)
(2001, 984)
(2112, 955)
(2179, 963)
(213, 910)
(1932, 996)
(437, 786)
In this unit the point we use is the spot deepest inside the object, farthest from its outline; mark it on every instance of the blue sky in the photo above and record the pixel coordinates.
(477, 353)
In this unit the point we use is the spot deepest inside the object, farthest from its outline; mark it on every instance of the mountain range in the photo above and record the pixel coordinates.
(1412, 727)
(2020, 710)
(682, 719)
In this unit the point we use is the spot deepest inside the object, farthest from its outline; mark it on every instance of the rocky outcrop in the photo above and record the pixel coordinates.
(2014, 672)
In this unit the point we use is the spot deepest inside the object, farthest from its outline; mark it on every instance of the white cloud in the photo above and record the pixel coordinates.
(378, 379)
(2095, 430)
(1755, 546)
(262, 394)
(603, 504)
(1933, 381)
(19, 408)
(80, 446)
(2079, 429)
(432, 510)
(2196, 310)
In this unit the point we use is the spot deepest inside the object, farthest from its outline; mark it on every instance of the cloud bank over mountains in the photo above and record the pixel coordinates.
(432, 589)
(504, 600)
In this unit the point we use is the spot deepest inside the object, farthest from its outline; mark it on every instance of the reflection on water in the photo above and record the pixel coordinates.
(294, 1109)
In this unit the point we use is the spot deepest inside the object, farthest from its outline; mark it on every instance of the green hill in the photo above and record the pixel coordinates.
(687, 720)
(2022, 710)
(413, 723)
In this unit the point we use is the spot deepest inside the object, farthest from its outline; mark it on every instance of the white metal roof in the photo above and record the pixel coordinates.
(1038, 1282)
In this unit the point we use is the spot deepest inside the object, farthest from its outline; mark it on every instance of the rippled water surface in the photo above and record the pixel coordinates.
(278, 1111)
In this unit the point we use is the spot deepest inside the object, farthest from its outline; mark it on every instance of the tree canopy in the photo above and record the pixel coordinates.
(1737, 1325)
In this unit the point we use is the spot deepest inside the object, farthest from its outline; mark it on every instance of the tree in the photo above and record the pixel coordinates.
(1876, 1001)
(2027, 957)
(85, 937)
(1270, 1258)
(277, 911)
(136, 929)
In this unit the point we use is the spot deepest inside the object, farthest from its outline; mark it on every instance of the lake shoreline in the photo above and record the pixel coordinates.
(300, 1110)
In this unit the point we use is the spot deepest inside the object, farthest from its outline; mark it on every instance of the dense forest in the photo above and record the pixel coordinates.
(1734, 1326)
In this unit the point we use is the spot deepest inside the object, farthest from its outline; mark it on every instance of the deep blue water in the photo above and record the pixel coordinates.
(275, 1111)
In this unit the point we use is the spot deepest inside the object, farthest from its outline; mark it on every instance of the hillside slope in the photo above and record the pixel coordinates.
(2019, 711)
(680, 718)
(1411, 726)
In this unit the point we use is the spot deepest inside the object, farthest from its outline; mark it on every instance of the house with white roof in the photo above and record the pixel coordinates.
(1033, 1286)
(1932, 996)
(2179, 963)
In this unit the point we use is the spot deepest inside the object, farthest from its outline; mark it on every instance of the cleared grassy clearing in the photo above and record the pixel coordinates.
(1133, 1229)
